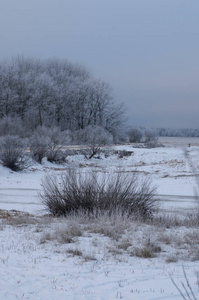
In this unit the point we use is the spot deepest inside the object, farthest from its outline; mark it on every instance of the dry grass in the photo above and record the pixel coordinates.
(89, 257)
(171, 259)
(148, 250)
(113, 227)
(170, 221)
(124, 244)
(75, 252)
(63, 232)
(116, 235)
(20, 218)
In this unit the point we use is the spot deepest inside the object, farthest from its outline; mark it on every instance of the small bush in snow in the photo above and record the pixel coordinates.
(122, 153)
(47, 142)
(12, 152)
(38, 146)
(57, 140)
(135, 135)
(149, 250)
(96, 193)
(150, 137)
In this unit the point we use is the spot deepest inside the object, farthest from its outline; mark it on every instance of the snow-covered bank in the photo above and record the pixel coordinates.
(41, 259)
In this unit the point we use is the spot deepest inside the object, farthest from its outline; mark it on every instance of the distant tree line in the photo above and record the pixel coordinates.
(35, 93)
(146, 135)
(177, 132)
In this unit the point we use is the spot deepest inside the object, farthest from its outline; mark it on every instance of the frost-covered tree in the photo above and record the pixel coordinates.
(56, 93)
(95, 137)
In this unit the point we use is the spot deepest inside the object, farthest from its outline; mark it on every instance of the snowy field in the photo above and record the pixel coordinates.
(47, 258)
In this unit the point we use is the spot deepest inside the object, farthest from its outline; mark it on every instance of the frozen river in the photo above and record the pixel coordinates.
(27, 199)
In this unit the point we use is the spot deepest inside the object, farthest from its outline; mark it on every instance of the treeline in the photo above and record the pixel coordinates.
(54, 93)
(177, 132)
(145, 135)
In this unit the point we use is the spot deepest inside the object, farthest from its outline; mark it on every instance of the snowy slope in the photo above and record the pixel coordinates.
(35, 264)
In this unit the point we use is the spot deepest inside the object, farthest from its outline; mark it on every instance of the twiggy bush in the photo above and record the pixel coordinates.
(96, 193)
(149, 250)
(94, 137)
(12, 152)
(39, 146)
(47, 142)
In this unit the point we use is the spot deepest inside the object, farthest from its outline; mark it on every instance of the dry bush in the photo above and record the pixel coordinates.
(124, 153)
(95, 137)
(124, 244)
(143, 253)
(172, 259)
(75, 252)
(39, 146)
(95, 193)
(12, 152)
(135, 135)
(89, 257)
(48, 142)
(149, 250)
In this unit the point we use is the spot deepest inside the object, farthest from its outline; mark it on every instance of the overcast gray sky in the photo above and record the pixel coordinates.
(147, 50)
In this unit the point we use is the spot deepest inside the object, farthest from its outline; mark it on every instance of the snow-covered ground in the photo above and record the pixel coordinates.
(35, 263)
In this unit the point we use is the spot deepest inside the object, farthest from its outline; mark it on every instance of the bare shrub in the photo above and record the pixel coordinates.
(151, 138)
(39, 146)
(135, 135)
(47, 142)
(95, 193)
(143, 253)
(57, 140)
(94, 137)
(75, 252)
(89, 257)
(12, 152)
(171, 259)
(124, 244)
(149, 250)
(124, 153)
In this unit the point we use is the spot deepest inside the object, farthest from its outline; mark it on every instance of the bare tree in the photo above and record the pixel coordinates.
(95, 137)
